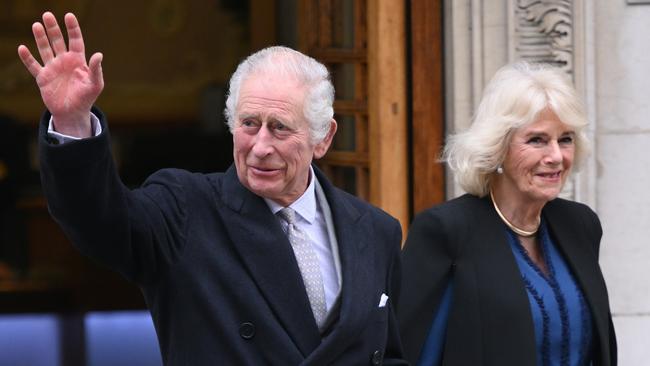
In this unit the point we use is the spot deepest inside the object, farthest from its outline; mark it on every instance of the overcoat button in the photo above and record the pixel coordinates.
(376, 358)
(247, 330)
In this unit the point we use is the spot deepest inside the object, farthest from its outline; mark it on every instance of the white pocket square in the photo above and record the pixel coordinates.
(383, 300)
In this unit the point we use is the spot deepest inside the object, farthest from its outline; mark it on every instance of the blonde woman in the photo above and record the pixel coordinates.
(508, 274)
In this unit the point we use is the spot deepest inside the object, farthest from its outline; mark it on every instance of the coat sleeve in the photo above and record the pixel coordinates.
(427, 259)
(132, 232)
(593, 228)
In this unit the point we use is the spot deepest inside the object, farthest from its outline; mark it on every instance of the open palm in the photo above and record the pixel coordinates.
(69, 87)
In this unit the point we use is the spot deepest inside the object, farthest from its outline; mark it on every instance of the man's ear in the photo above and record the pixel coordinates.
(321, 148)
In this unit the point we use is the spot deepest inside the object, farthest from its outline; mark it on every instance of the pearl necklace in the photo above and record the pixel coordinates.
(518, 231)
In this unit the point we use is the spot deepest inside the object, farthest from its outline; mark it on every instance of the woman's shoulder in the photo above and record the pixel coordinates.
(455, 209)
(568, 208)
(448, 219)
(438, 233)
(573, 214)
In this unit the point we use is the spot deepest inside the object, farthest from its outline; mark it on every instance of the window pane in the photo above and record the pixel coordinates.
(343, 78)
(345, 137)
(29, 339)
(345, 178)
(121, 338)
(343, 23)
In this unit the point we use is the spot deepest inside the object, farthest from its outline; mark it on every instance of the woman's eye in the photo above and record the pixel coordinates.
(535, 140)
(566, 140)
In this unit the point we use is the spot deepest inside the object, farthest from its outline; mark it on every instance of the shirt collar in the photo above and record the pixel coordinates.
(305, 205)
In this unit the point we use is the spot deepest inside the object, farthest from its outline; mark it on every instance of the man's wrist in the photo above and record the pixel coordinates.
(61, 138)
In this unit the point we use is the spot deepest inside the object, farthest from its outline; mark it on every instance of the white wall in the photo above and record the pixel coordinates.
(622, 52)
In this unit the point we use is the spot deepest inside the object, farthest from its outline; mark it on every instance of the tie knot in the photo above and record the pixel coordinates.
(288, 215)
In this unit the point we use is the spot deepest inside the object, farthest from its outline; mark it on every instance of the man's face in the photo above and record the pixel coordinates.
(272, 143)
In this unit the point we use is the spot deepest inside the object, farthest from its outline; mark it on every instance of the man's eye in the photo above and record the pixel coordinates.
(247, 123)
(280, 128)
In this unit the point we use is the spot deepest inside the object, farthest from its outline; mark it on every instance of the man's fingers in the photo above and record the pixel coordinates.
(29, 61)
(54, 33)
(75, 39)
(96, 74)
(42, 43)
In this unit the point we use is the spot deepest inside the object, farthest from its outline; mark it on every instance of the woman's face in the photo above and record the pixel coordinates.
(538, 160)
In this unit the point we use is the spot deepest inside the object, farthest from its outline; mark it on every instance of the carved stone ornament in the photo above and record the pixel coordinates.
(544, 32)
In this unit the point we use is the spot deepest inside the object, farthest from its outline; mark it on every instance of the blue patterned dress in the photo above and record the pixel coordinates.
(563, 330)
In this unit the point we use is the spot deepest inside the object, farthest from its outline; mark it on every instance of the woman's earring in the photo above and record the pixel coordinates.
(499, 169)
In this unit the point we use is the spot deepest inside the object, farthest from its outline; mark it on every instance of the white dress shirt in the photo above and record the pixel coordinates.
(310, 220)
(62, 139)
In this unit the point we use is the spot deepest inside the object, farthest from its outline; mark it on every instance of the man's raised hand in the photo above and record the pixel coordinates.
(69, 86)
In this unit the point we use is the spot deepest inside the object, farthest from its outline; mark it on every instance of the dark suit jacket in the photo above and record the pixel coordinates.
(217, 272)
(490, 322)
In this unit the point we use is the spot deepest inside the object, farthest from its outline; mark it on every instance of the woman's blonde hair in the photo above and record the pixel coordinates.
(514, 97)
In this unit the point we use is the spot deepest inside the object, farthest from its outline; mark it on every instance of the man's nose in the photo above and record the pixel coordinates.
(263, 143)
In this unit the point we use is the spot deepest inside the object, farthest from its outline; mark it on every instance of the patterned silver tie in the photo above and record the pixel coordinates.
(308, 264)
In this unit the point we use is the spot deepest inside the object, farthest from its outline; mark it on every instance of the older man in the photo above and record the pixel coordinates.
(265, 264)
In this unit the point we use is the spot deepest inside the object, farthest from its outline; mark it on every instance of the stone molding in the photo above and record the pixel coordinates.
(542, 31)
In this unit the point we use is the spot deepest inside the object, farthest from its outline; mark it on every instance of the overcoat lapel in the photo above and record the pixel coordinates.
(357, 264)
(581, 260)
(484, 246)
(493, 257)
(266, 252)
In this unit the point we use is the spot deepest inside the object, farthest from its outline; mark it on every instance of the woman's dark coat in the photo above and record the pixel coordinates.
(490, 321)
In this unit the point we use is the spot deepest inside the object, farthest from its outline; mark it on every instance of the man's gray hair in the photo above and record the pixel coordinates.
(318, 107)
(514, 98)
